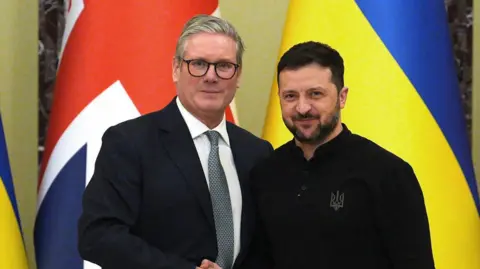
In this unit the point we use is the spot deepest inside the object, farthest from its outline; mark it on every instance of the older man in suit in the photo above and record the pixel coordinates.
(169, 188)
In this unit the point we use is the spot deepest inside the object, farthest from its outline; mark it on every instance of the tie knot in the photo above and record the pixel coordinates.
(213, 137)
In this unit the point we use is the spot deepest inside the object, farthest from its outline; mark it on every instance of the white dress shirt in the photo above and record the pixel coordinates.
(202, 144)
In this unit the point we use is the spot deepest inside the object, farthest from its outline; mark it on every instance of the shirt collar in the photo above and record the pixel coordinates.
(334, 146)
(197, 128)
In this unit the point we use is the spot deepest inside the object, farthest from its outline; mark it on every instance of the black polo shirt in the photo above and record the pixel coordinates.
(352, 205)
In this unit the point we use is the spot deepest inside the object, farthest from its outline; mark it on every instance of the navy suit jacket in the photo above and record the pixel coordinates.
(148, 206)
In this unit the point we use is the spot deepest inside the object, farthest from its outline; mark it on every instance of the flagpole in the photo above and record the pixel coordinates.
(476, 91)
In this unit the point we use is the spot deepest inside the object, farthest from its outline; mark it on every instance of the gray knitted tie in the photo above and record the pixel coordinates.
(222, 207)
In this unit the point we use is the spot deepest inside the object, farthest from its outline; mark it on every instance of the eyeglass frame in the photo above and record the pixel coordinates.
(208, 68)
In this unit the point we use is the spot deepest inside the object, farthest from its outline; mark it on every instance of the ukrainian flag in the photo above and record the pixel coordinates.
(12, 250)
(404, 95)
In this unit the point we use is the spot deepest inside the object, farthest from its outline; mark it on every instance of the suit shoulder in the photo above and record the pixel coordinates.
(277, 158)
(247, 136)
(136, 128)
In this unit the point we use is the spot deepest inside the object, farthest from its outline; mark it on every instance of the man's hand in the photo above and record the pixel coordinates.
(206, 264)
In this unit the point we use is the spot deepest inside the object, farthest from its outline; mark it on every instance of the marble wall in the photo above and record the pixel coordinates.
(52, 23)
(460, 16)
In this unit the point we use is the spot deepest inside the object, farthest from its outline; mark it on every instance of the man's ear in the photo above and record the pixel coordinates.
(239, 76)
(343, 96)
(175, 69)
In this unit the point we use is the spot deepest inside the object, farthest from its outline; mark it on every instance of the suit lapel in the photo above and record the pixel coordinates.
(240, 156)
(179, 144)
(181, 148)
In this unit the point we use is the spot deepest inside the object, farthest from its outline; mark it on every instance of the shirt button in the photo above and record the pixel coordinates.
(303, 188)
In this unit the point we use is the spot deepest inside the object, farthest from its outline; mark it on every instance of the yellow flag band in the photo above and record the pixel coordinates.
(12, 251)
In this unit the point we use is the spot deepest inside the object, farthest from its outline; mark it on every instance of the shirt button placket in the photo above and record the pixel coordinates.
(304, 179)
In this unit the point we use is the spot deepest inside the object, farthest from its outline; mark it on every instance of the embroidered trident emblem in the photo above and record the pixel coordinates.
(336, 200)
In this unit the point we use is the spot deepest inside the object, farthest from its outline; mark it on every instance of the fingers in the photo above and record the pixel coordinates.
(206, 264)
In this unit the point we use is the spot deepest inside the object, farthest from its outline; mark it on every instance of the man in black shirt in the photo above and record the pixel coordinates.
(331, 199)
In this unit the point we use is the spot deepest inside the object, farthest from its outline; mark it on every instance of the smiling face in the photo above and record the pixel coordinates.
(208, 94)
(310, 103)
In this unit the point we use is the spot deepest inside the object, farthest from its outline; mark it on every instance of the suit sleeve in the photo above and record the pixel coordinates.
(111, 204)
(403, 221)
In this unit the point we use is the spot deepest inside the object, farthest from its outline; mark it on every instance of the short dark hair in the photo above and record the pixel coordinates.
(313, 52)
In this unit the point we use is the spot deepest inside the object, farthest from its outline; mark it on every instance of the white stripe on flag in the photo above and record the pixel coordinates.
(216, 13)
(89, 265)
(112, 106)
(70, 20)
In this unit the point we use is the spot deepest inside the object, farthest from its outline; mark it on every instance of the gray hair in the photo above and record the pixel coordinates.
(208, 24)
